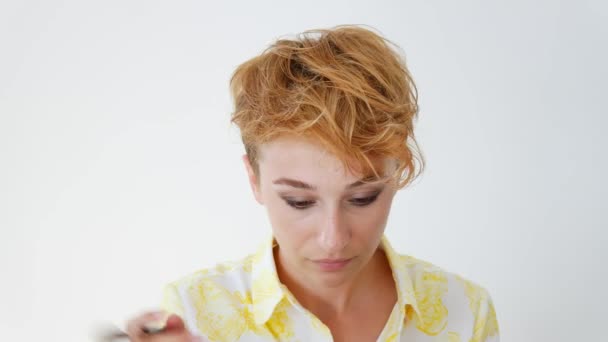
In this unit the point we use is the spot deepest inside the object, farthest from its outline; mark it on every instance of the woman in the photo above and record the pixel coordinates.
(327, 124)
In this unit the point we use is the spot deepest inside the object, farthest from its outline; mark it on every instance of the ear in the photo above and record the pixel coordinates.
(253, 180)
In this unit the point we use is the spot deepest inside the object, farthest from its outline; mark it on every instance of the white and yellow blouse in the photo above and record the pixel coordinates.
(245, 301)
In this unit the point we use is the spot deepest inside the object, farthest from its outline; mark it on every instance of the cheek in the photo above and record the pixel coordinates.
(371, 221)
(290, 227)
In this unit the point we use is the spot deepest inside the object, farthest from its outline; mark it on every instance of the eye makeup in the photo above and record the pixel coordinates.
(302, 204)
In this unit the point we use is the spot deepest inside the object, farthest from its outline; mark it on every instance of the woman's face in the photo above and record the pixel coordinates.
(327, 224)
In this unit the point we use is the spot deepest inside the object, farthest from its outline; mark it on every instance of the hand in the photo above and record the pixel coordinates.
(174, 331)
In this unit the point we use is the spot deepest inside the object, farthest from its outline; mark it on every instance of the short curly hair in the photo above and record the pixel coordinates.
(344, 87)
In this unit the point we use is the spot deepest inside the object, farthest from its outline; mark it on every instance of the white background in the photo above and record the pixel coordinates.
(119, 170)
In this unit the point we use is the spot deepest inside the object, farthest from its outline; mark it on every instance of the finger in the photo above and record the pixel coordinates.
(171, 337)
(174, 323)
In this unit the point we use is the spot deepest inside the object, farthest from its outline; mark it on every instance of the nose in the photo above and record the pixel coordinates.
(335, 233)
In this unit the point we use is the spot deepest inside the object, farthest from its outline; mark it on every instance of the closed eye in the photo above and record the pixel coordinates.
(357, 201)
(363, 201)
(299, 204)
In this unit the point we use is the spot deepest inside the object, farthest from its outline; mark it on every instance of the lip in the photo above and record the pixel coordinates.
(332, 264)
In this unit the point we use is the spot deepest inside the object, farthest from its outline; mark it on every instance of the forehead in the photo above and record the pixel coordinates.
(306, 159)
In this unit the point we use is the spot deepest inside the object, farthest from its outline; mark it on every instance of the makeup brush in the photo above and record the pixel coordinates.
(112, 333)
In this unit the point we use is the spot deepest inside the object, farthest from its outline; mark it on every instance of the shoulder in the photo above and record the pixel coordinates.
(423, 273)
(222, 282)
(438, 292)
(214, 302)
(229, 272)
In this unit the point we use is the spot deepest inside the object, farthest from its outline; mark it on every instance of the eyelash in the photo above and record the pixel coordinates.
(359, 202)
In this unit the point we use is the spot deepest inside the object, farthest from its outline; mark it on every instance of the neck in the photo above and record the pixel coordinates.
(335, 300)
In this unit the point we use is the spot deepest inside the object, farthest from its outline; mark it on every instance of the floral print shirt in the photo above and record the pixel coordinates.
(245, 301)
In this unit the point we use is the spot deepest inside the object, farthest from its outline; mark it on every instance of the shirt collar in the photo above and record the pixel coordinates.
(400, 266)
(267, 290)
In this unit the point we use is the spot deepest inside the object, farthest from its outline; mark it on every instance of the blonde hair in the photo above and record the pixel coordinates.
(344, 87)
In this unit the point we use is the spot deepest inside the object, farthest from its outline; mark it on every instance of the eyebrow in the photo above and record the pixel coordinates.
(302, 185)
